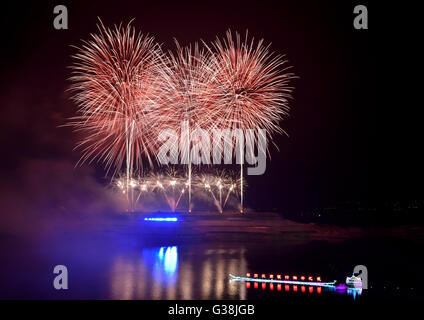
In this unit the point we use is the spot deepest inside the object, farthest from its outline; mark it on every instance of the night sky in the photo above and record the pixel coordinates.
(342, 144)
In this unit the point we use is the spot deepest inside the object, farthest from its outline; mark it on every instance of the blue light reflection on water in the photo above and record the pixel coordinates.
(164, 261)
(354, 292)
(168, 272)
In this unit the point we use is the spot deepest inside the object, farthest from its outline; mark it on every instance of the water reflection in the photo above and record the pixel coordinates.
(164, 261)
(178, 273)
(354, 292)
(253, 286)
(287, 287)
(195, 272)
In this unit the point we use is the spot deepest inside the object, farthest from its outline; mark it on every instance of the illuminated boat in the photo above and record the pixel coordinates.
(294, 280)
(355, 282)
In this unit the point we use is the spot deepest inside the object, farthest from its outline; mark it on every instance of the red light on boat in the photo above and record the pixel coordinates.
(255, 285)
(271, 276)
(303, 289)
(287, 277)
(271, 286)
(263, 285)
(278, 276)
(279, 287)
(295, 288)
(311, 289)
(263, 275)
(319, 279)
(247, 285)
(248, 275)
(302, 278)
(319, 289)
(294, 277)
(286, 287)
(255, 275)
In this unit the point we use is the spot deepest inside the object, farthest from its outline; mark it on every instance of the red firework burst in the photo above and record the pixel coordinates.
(115, 87)
(186, 87)
(251, 87)
(251, 84)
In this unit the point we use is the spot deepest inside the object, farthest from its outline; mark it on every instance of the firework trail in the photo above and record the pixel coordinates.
(114, 84)
(219, 185)
(252, 86)
(132, 185)
(172, 184)
(185, 97)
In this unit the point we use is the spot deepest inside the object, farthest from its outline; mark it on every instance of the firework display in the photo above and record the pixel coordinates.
(172, 185)
(251, 87)
(114, 84)
(185, 97)
(129, 91)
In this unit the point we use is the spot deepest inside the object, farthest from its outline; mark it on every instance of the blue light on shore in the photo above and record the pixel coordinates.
(161, 219)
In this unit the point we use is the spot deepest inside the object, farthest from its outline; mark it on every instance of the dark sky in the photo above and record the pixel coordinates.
(340, 145)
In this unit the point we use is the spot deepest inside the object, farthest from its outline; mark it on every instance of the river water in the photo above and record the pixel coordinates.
(107, 263)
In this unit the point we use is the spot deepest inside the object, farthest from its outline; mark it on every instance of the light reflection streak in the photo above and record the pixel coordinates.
(167, 273)
(207, 278)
